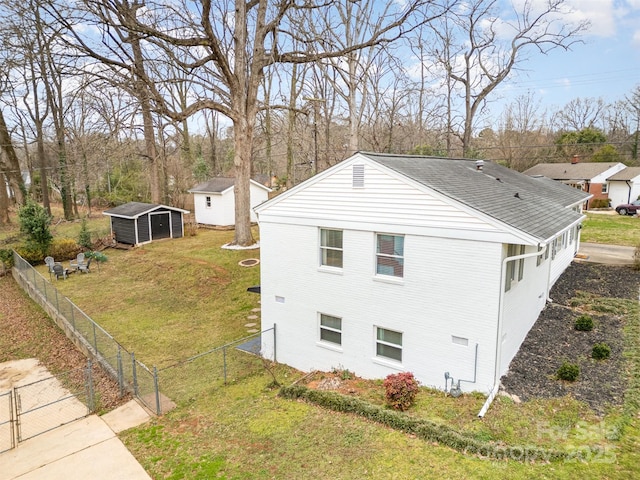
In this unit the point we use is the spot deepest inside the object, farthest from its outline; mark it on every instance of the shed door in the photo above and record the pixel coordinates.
(160, 227)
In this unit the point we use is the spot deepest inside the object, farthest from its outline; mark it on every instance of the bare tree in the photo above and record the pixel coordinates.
(230, 44)
(478, 46)
(581, 113)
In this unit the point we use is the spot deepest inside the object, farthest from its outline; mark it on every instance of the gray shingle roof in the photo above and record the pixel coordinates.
(570, 171)
(135, 209)
(215, 185)
(534, 205)
(628, 173)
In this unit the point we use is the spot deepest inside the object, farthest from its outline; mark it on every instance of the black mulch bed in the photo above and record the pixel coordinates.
(554, 339)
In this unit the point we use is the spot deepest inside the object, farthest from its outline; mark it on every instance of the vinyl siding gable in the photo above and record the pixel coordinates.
(403, 203)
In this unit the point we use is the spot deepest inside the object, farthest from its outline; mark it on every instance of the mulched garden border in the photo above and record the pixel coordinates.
(554, 339)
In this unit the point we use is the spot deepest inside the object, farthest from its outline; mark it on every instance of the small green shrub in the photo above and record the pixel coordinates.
(601, 351)
(64, 249)
(34, 223)
(84, 237)
(400, 390)
(584, 323)
(343, 373)
(31, 254)
(97, 256)
(568, 371)
(599, 203)
(6, 259)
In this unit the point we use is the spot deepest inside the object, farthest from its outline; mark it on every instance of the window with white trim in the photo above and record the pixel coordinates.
(605, 187)
(388, 344)
(515, 268)
(541, 257)
(207, 201)
(331, 248)
(330, 329)
(390, 255)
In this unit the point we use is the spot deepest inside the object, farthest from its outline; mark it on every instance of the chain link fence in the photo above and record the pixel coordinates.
(178, 382)
(7, 422)
(219, 366)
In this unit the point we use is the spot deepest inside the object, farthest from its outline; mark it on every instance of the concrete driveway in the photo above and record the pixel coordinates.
(85, 449)
(606, 254)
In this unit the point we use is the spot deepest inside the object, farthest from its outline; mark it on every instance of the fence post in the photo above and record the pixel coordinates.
(57, 306)
(73, 317)
(224, 363)
(90, 392)
(120, 372)
(157, 389)
(95, 339)
(135, 374)
(274, 343)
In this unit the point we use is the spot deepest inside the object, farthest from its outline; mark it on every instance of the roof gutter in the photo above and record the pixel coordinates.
(498, 357)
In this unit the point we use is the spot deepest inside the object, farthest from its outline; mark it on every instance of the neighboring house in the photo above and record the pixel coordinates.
(388, 263)
(214, 201)
(590, 177)
(624, 186)
(136, 223)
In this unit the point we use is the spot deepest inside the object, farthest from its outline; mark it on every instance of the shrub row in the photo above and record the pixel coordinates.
(424, 429)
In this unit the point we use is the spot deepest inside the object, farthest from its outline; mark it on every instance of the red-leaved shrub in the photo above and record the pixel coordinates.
(400, 390)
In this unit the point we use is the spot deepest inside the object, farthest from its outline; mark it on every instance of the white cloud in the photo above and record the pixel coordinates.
(599, 13)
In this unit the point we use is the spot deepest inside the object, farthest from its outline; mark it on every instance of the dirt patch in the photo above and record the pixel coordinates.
(554, 339)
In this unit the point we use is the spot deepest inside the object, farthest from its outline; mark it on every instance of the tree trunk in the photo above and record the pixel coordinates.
(242, 162)
(4, 201)
(142, 92)
(13, 171)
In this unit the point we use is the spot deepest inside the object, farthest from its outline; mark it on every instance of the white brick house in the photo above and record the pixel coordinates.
(388, 263)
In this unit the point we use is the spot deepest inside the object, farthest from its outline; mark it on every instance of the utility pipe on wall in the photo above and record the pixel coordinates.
(498, 357)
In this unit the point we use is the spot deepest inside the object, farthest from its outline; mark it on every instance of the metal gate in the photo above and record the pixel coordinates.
(7, 422)
(40, 406)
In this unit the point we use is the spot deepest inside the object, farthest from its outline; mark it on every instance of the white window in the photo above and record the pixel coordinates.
(207, 201)
(605, 187)
(541, 257)
(388, 344)
(390, 255)
(515, 268)
(330, 329)
(331, 248)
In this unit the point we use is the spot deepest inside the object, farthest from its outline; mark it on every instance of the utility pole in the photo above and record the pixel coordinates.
(316, 102)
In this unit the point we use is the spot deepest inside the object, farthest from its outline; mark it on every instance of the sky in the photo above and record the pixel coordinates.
(606, 65)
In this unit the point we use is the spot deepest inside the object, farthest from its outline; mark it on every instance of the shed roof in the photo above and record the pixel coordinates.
(571, 171)
(136, 209)
(628, 173)
(537, 206)
(219, 185)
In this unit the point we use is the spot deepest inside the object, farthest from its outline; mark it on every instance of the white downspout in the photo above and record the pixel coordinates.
(498, 359)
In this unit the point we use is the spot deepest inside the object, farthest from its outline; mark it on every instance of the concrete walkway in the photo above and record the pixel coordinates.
(85, 449)
(606, 254)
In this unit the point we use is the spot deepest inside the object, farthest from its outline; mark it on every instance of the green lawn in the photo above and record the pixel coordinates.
(173, 299)
(611, 229)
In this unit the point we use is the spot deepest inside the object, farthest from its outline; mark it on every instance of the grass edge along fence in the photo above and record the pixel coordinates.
(93, 340)
(181, 380)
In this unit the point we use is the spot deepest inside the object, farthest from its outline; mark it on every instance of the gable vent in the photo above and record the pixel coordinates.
(358, 176)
